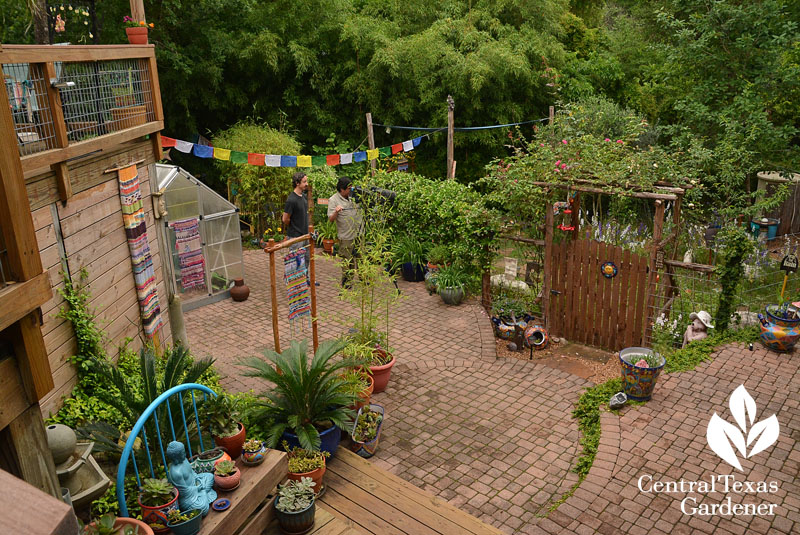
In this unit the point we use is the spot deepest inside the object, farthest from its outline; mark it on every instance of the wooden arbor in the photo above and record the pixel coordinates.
(612, 309)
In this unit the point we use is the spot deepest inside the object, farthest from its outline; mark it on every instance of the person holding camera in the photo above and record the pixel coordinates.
(348, 218)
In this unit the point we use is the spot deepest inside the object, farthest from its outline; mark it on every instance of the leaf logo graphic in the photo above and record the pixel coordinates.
(726, 439)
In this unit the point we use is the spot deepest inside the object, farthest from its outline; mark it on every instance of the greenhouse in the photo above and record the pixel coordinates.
(201, 230)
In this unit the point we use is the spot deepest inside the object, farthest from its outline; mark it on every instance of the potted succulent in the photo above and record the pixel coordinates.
(451, 282)
(221, 415)
(358, 385)
(305, 463)
(367, 430)
(204, 462)
(409, 254)
(157, 497)
(109, 524)
(226, 475)
(294, 506)
(253, 452)
(187, 523)
(306, 403)
(327, 233)
(641, 367)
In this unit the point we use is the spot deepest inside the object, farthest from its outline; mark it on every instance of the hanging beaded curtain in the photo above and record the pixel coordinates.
(295, 275)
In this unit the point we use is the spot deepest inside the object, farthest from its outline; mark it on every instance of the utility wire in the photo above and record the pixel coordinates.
(458, 128)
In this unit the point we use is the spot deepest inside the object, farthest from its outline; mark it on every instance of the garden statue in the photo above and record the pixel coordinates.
(701, 323)
(194, 490)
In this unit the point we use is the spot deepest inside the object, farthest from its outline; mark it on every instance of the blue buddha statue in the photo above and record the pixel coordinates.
(194, 490)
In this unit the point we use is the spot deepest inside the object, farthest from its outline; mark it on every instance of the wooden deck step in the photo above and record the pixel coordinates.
(377, 502)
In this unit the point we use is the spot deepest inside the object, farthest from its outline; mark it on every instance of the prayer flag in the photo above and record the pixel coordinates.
(238, 156)
(372, 154)
(222, 154)
(397, 147)
(304, 161)
(183, 146)
(318, 160)
(359, 156)
(345, 159)
(385, 152)
(417, 141)
(203, 151)
(272, 160)
(408, 145)
(332, 159)
(167, 142)
(255, 159)
(288, 161)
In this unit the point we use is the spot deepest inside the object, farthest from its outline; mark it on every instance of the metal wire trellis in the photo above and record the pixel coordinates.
(27, 97)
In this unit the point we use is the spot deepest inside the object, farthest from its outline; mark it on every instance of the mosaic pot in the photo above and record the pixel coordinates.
(156, 517)
(205, 462)
(638, 383)
(778, 333)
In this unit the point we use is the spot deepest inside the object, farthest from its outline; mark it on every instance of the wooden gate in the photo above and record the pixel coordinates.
(586, 307)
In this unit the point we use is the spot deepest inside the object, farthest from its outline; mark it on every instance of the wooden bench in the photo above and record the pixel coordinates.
(372, 500)
(251, 507)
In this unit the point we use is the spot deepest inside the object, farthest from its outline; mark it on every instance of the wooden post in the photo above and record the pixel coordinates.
(576, 218)
(451, 106)
(137, 10)
(273, 293)
(486, 284)
(313, 287)
(676, 219)
(371, 140)
(33, 459)
(552, 115)
(655, 264)
(60, 130)
(548, 266)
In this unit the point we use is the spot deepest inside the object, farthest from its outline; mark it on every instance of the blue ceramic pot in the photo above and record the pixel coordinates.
(329, 438)
(638, 383)
(190, 527)
(299, 522)
(413, 273)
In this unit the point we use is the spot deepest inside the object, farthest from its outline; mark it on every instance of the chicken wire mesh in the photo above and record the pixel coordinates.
(97, 98)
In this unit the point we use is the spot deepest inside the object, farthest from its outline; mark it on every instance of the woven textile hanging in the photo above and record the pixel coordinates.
(295, 275)
(136, 232)
(190, 253)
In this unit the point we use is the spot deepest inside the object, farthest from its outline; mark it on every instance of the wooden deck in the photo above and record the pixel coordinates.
(366, 499)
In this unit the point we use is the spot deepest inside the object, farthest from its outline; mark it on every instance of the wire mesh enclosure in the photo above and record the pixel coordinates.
(202, 231)
(97, 98)
(26, 90)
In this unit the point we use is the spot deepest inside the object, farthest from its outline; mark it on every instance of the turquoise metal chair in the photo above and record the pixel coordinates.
(178, 400)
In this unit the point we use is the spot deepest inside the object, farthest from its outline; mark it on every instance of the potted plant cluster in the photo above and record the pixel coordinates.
(157, 497)
(226, 476)
(451, 282)
(641, 367)
(109, 524)
(187, 523)
(253, 452)
(294, 506)
(376, 359)
(306, 463)
(438, 257)
(409, 255)
(221, 415)
(367, 430)
(306, 404)
(358, 384)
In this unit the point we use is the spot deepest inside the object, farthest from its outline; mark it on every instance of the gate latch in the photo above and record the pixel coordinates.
(555, 292)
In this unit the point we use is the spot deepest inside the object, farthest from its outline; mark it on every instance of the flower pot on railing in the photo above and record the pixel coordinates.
(638, 382)
(137, 35)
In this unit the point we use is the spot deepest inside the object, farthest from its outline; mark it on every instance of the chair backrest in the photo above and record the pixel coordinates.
(168, 411)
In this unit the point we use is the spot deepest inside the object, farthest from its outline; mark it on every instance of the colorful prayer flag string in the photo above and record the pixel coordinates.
(277, 160)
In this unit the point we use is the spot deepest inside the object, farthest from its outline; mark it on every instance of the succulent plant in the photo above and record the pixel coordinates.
(252, 445)
(302, 461)
(225, 468)
(176, 517)
(155, 492)
(367, 426)
(295, 496)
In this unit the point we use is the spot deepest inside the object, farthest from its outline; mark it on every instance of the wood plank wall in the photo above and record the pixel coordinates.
(93, 237)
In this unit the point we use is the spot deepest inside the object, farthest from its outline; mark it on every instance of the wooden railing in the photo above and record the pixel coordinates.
(72, 101)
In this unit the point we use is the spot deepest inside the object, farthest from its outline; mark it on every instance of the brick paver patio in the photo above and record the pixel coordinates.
(495, 437)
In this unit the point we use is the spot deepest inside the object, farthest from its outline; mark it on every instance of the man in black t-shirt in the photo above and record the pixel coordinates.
(295, 212)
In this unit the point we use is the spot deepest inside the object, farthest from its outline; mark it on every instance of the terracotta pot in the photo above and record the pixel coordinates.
(228, 482)
(363, 396)
(122, 118)
(206, 461)
(137, 35)
(381, 374)
(123, 521)
(315, 475)
(233, 444)
(327, 245)
(156, 516)
(239, 292)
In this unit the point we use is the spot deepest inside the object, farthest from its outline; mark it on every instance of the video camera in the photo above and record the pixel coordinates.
(373, 195)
